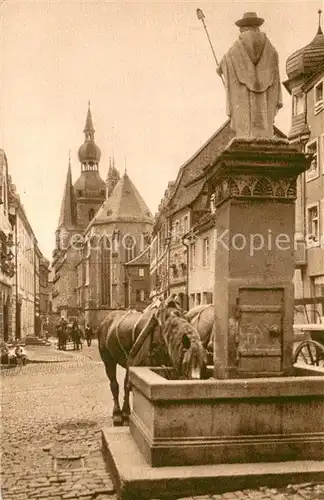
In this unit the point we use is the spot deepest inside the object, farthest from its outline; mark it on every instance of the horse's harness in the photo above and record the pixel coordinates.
(134, 339)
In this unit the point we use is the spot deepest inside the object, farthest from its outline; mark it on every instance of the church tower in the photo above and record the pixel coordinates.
(90, 189)
(67, 219)
(113, 177)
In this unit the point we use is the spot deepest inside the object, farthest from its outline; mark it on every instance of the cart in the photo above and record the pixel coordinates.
(310, 349)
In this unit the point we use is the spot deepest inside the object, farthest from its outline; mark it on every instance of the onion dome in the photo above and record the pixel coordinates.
(89, 152)
(305, 61)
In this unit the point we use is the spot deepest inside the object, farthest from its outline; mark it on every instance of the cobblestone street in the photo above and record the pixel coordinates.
(52, 416)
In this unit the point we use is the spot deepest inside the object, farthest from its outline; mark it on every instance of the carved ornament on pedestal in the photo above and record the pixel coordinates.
(242, 186)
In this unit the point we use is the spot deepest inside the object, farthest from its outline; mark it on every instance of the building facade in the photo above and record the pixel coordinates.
(24, 289)
(117, 234)
(183, 241)
(201, 262)
(19, 270)
(305, 70)
(174, 262)
(7, 268)
(137, 280)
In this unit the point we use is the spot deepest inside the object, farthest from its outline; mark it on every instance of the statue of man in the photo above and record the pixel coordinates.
(252, 81)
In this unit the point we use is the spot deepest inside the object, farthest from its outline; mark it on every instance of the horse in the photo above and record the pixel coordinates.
(202, 319)
(159, 336)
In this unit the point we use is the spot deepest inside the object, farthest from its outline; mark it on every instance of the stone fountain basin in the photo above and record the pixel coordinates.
(197, 422)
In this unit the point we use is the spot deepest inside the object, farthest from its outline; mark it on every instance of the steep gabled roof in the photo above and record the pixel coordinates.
(125, 204)
(190, 181)
(185, 191)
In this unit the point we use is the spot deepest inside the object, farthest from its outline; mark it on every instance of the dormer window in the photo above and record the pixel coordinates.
(298, 104)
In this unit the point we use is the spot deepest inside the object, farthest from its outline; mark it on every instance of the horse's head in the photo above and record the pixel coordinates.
(184, 345)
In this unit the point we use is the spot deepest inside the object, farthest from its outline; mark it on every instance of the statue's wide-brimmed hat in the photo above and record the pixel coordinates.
(249, 19)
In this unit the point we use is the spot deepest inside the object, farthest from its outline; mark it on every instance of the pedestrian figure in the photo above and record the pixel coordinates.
(62, 334)
(76, 336)
(7, 355)
(88, 334)
(21, 355)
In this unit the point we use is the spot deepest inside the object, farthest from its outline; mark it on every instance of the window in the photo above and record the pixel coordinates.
(313, 171)
(87, 273)
(129, 245)
(298, 106)
(318, 291)
(198, 299)
(212, 203)
(177, 230)
(318, 89)
(105, 272)
(141, 272)
(186, 224)
(142, 295)
(192, 256)
(206, 252)
(318, 97)
(313, 224)
(91, 214)
(114, 273)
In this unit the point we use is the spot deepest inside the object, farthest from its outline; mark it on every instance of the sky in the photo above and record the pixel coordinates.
(149, 73)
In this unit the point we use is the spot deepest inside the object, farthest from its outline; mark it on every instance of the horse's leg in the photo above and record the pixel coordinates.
(126, 406)
(111, 371)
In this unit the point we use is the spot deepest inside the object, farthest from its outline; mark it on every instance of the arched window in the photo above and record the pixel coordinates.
(105, 260)
(129, 245)
(91, 214)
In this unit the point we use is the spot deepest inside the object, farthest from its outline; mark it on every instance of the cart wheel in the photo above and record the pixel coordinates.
(310, 352)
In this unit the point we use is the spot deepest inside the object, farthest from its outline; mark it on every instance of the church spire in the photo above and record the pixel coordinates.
(113, 177)
(88, 129)
(89, 153)
(67, 214)
(319, 31)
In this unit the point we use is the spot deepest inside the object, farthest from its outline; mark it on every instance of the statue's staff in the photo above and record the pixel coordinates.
(201, 17)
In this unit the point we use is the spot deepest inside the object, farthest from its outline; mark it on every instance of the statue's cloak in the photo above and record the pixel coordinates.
(252, 85)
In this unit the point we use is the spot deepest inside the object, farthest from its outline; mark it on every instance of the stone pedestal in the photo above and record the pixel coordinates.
(254, 185)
